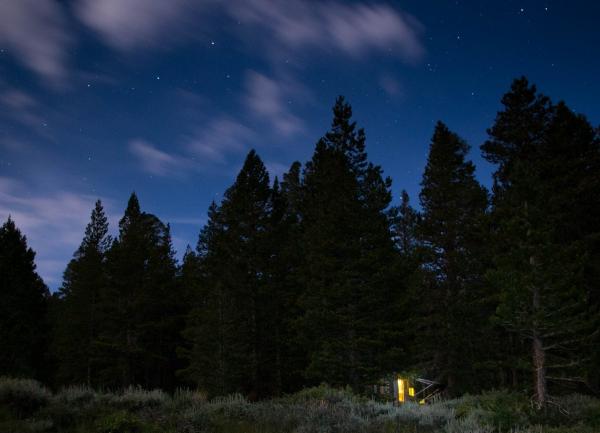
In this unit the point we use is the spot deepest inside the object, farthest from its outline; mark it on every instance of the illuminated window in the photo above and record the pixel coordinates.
(400, 390)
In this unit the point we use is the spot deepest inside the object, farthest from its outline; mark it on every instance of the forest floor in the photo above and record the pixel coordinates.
(27, 406)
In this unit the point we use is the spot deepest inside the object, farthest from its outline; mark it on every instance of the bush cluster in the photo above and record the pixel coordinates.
(27, 406)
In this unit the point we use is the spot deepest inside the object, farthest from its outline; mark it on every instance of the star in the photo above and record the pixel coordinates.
(158, 77)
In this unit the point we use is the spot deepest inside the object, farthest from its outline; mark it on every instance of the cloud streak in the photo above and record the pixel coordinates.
(205, 148)
(39, 33)
(220, 137)
(265, 99)
(53, 223)
(156, 161)
(133, 24)
(36, 34)
(20, 106)
(350, 29)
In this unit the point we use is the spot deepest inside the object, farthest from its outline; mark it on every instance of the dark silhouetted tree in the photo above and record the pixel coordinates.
(23, 304)
(230, 332)
(141, 305)
(452, 233)
(348, 293)
(77, 321)
(545, 212)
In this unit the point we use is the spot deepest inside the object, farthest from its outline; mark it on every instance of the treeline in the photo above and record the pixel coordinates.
(316, 277)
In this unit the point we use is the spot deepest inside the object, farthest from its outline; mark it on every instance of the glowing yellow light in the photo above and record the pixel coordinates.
(422, 401)
(400, 390)
(411, 391)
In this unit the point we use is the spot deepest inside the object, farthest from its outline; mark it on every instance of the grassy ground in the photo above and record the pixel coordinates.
(26, 406)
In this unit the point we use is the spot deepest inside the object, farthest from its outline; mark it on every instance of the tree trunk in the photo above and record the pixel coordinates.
(538, 352)
(539, 356)
(539, 359)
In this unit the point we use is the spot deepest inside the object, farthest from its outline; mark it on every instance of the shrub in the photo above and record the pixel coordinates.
(23, 396)
(498, 409)
(581, 408)
(125, 422)
(77, 395)
(231, 406)
(26, 406)
(324, 393)
(136, 398)
(119, 422)
(183, 396)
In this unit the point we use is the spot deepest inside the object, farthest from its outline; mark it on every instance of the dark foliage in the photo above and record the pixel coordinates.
(23, 306)
(317, 277)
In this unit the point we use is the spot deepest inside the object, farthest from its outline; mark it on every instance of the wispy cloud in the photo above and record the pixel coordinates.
(266, 99)
(156, 161)
(35, 33)
(132, 24)
(39, 33)
(353, 29)
(208, 147)
(218, 139)
(20, 106)
(53, 223)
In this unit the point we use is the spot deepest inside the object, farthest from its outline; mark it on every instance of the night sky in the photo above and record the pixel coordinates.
(99, 98)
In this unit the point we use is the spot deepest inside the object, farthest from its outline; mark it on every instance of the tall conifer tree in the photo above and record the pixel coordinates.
(452, 233)
(23, 304)
(140, 307)
(347, 292)
(78, 321)
(230, 332)
(545, 211)
(407, 267)
(285, 266)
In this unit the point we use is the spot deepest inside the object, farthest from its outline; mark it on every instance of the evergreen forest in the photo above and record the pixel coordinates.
(333, 277)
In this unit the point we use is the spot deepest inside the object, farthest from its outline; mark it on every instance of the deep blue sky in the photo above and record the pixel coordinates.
(165, 97)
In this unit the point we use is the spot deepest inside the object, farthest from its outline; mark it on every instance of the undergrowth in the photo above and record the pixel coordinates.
(27, 406)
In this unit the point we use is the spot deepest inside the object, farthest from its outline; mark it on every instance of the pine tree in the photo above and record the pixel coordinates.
(284, 280)
(204, 346)
(347, 289)
(230, 332)
(404, 230)
(23, 304)
(188, 280)
(407, 267)
(141, 306)
(77, 321)
(452, 234)
(545, 210)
